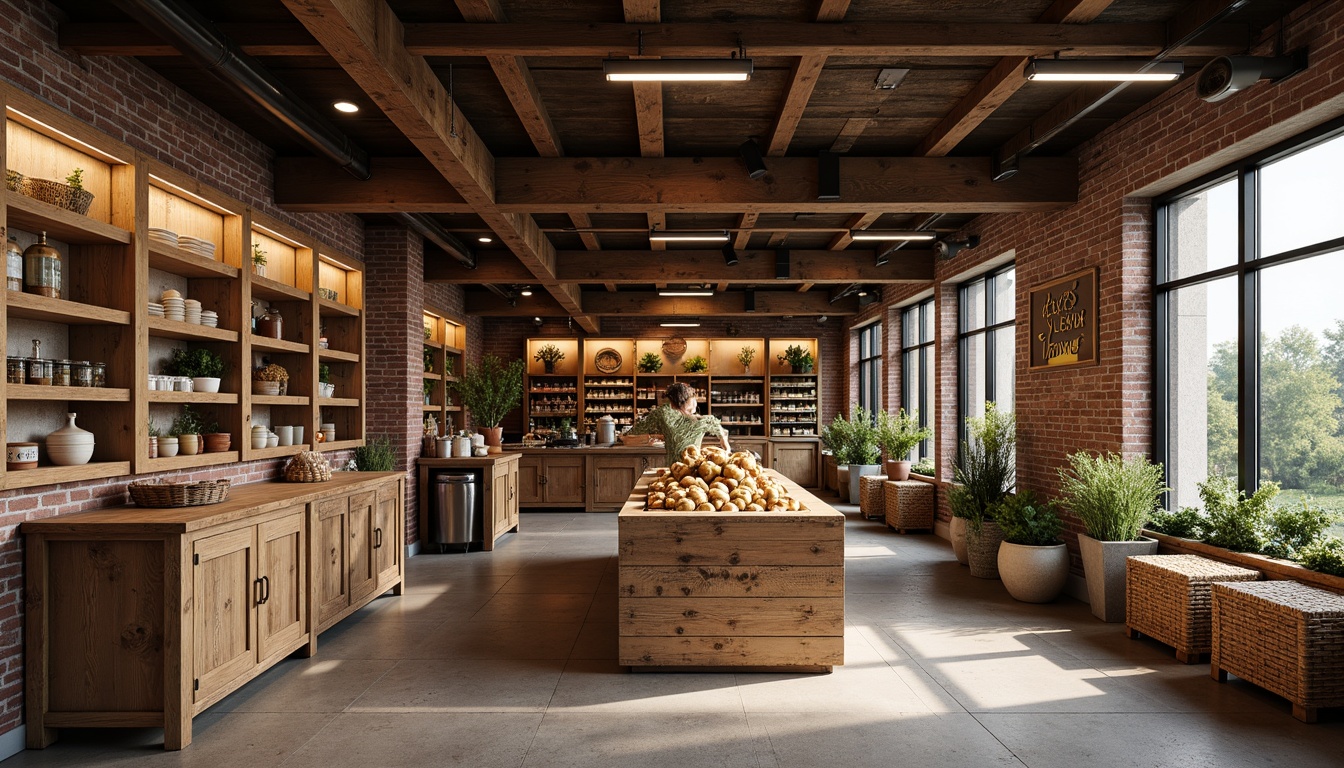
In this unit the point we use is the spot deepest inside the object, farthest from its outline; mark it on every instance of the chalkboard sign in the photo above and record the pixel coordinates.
(1064, 321)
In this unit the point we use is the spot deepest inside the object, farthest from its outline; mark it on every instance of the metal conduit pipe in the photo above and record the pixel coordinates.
(431, 231)
(196, 37)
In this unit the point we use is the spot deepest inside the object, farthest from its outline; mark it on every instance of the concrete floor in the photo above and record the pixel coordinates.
(507, 659)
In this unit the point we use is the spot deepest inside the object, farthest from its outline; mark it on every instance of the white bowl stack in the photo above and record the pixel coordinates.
(174, 306)
(210, 318)
(191, 309)
(155, 309)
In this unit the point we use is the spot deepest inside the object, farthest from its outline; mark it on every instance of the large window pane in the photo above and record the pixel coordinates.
(973, 376)
(927, 413)
(1003, 368)
(1300, 197)
(910, 327)
(1202, 231)
(929, 321)
(1301, 371)
(1201, 387)
(1004, 309)
(973, 305)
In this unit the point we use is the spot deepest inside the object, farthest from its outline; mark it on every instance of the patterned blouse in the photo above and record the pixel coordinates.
(678, 429)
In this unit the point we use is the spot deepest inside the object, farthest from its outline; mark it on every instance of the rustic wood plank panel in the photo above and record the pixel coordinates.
(725, 581)
(727, 528)
(732, 617)
(732, 651)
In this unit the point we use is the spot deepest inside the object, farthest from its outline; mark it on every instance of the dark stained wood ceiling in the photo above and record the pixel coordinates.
(590, 118)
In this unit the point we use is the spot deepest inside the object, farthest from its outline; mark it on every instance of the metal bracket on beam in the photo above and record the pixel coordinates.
(782, 264)
(431, 231)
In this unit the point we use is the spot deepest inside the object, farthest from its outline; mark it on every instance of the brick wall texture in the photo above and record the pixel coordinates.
(1171, 141)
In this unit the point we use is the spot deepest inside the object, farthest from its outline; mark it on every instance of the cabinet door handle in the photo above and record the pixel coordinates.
(377, 538)
(266, 582)
(542, 479)
(263, 585)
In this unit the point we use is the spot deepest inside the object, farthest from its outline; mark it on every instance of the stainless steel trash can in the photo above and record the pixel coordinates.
(454, 511)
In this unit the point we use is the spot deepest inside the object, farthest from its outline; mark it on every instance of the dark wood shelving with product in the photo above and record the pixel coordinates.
(794, 396)
(551, 399)
(608, 382)
(445, 356)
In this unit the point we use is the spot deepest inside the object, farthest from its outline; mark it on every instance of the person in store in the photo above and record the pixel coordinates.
(678, 423)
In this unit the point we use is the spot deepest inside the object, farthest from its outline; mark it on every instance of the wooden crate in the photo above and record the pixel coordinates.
(731, 590)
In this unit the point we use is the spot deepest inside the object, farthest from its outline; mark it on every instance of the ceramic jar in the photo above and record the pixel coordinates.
(259, 435)
(70, 445)
(20, 456)
(462, 446)
(190, 445)
(167, 447)
(270, 324)
(42, 269)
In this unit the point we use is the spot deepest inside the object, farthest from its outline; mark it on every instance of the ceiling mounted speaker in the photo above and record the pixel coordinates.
(947, 249)
(1227, 75)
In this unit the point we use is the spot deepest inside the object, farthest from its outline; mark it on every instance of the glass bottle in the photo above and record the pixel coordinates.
(13, 265)
(16, 370)
(42, 269)
(271, 324)
(39, 370)
(81, 373)
(60, 373)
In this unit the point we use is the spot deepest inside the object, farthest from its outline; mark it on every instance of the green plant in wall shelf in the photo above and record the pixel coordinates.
(797, 358)
(745, 357)
(195, 364)
(650, 362)
(187, 422)
(258, 260)
(697, 364)
(76, 179)
(375, 455)
(548, 356)
(324, 373)
(429, 360)
(428, 387)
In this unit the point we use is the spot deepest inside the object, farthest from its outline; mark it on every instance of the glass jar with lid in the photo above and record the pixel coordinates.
(39, 370)
(42, 269)
(13, 265)
(16, 370)
(271, 324)
(100, 374)
(81, 373)
(60, 373)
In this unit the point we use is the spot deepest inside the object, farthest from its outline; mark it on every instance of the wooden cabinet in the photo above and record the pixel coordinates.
(796, 460)
(610, 478)
(170, 610)
(552, 481)
(529, 481)
(499, 491)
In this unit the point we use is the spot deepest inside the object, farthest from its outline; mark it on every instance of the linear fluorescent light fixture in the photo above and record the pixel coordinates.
(1101, 70)
(677, 70)
(891, 234)
(679, 325)
(688, 236)
(686, 292)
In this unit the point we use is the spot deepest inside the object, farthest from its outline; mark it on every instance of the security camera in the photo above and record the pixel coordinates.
(947, 249)
(536, 321)
(1226, 76)
(822, 319)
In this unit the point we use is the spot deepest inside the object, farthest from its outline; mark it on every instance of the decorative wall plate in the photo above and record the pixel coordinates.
(607, 360)
(674, 347)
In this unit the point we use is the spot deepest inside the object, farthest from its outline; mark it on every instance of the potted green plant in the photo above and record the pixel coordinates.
(838, 436)
(428, 387)
(489, 391)
(985, 471)
(865, 453)
(375, 455)
(187, 428)
(548, 356)
(650, 362)
(324, 386)
(258, 260)
(202, 366)
(154, 433)
(925, 470)
(1113, 497)
(429, 360)
(745, 357)
(1033, 561)
(697, 364)
(898, 433)
(798, 358)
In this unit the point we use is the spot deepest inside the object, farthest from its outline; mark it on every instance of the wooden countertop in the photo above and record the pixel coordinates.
(813, 508)
(599, 450)
(471, 462)
(244, 501)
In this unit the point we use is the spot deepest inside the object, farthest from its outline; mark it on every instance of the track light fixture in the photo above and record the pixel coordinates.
(735, 69)
(751, 155)
(1102, 70)
(703, 291)
(689, 236)
(947, 249)
(891, 234)
(729, 255)
(1228, 75)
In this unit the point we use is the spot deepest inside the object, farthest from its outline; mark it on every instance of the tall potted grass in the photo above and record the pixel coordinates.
(898, 433)
(1113, 497)
(489, 391)
(984, 472)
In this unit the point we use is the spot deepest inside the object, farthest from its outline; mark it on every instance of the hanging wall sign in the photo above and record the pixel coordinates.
(1064, 321)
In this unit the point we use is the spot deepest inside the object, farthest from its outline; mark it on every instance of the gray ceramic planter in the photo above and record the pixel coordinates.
(1104, 568)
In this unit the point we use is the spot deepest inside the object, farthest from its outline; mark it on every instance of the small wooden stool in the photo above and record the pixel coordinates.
(1168, 598)
(909, 505)
(1283, 636)
(872, 499)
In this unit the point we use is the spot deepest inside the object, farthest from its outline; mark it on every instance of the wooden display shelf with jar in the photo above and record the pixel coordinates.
(445, 355)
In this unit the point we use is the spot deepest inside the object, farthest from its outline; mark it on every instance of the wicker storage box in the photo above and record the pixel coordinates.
(156, 494)
(909, 505)
(872, 496)
(308, 467)
(1169, 598)
(1283, 636)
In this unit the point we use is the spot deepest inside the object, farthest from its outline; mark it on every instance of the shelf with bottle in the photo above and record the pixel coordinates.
(608, 381)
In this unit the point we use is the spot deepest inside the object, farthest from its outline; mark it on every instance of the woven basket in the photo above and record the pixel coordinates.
(1283, 636)
(148, 493)
(270, 388)
(58, 194)
(909, 505)
(13, 181)
(872, 496)
(308, 467)
(982, 549)
(1170, 599)
(674, 347)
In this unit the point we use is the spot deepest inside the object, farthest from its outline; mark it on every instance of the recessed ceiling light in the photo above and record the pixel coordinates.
(485, 239)
(348, 107)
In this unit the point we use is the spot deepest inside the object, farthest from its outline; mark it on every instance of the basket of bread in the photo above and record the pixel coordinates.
(713, 480)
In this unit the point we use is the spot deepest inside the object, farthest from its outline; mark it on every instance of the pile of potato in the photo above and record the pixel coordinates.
(712, 480)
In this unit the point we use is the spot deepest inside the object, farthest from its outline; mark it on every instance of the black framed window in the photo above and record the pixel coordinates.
(986, 343)
(1250, 328)
(870, 367)
(918, 375)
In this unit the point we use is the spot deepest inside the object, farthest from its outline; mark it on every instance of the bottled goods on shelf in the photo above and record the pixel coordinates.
(42, 269)
(13, 265)
(562, 387)
(606, 381)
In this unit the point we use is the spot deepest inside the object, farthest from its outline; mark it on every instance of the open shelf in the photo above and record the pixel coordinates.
(343, 357)
(266, 288)
(164, 328)
(279, 345)
(164, 396)
(31, 215)
(431, 408)
(338, 445)
(278, 452)
(340, 402)
(67, 394)
(163, 464)
(26, 478)
(186, 263)
(31, 306)
(279, 400)
(433, 377)
(329, 308)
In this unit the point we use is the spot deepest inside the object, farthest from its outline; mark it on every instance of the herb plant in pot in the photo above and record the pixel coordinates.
(650, 362)
(187, 428)
(489, 391)
(1033, 561)
(985, 471)
(898, 433)
(797, 358)
(865, 453)
(548, 356)
(745, 357)
(1114, 497)
(202, 366)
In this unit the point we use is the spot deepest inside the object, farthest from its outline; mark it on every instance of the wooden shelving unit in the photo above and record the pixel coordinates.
(112, 269)
(445, 354)
(551, 398)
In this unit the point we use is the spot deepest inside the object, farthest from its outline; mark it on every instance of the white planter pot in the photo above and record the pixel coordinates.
(167, 447)
(1033, 574)
(957, 532)
(205, 384)
(1104, 568)
(842, 483)
(190, 445)
(855, 472)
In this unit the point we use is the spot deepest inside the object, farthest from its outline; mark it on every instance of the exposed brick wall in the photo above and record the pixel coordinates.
(1171, 141)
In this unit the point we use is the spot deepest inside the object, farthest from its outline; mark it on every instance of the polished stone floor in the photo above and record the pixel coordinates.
(507, 659)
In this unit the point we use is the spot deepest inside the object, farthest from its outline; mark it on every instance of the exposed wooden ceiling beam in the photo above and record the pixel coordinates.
(648, 99)
(1003, 80)
(645, 267)
(745, 223)
(802, 81)
(581, 221)
(657, 220)
(859, 221)
(710, 185)
(649, 303)
(850, 133)
(711, 39)
(364, 38)
(397, 183)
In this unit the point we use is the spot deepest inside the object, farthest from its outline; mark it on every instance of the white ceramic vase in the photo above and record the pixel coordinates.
(205, 384)
(70, 445)
(167, 447)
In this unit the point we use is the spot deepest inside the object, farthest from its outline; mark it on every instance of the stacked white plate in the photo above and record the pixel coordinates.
(191, 310)
(174, 306)
(210, 318)
(197, 246)
(155, 309)
(165, 236)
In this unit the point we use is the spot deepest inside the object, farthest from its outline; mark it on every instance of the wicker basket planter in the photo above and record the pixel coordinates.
(909, 505)
(13, 181)
(872, 496)
(58, 194)
(156, 494)
(308, 467)
(1170, 599)
(1285, 637)
(982, 549)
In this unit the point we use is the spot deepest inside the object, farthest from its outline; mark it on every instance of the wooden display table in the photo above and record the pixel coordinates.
(1170, 599)
(499, 493)
(142, 617)
(732, 590)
